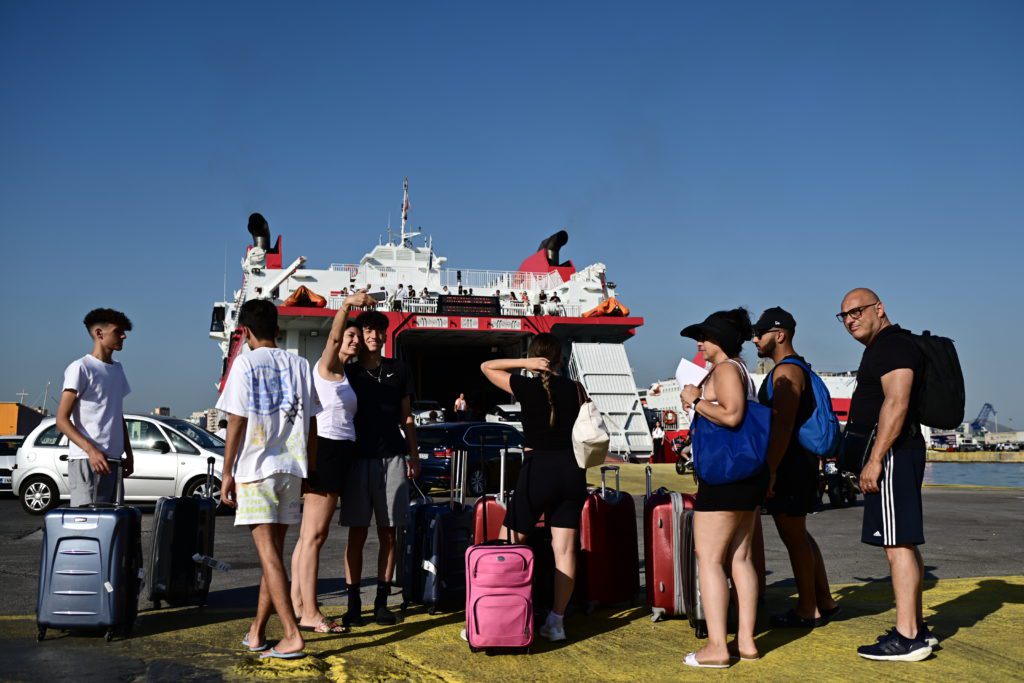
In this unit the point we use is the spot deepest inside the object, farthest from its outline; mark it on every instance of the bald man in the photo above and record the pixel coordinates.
(893, 459)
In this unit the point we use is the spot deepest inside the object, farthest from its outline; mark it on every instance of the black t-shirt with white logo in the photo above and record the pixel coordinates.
(892, 349)
(379, 414)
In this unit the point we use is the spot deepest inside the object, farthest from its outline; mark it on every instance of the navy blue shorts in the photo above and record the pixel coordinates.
(894, 515)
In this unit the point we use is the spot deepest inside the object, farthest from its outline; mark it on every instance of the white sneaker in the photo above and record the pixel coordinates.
(553, 632)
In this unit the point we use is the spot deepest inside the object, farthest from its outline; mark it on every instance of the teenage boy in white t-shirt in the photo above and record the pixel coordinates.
(91, 413)
(270, 401)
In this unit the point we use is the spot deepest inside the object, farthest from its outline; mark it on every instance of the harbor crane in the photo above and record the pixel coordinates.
(987, 414)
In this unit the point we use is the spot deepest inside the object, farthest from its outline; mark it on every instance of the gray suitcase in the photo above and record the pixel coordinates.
(90, 570)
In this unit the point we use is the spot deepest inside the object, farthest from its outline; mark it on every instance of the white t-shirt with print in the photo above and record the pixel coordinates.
(274, 390)
(99, 410)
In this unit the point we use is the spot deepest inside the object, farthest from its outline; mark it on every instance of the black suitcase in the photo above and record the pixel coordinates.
(409, 541)
(183, 532)
(449, 533)
(692, 604)
(90, 570)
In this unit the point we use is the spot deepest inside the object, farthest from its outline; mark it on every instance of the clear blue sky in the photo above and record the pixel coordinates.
(711, 154)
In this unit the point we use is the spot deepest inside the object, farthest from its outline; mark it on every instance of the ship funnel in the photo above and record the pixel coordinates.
(551, 246)
(260, 231)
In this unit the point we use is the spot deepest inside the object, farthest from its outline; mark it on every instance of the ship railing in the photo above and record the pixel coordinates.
(512, 309)
(486, 282)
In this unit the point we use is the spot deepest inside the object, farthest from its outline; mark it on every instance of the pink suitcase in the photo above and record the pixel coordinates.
(499, 594)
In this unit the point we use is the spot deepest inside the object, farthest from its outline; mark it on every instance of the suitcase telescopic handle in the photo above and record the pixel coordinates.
(647, 474)
(209, 477)
(501, 476)
(604, 469)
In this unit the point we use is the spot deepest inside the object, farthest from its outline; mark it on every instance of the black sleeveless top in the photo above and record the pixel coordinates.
(536, 411)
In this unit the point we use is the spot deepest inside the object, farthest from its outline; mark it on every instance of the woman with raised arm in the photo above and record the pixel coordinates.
(550, 482)
(725, 514)
(328, 463)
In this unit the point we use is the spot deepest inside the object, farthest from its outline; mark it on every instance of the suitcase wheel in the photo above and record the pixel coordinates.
(40, 634)
(404, 606)
(156, 604)
(701, 631)
(432, 611)
(109, 635)
(657, 614)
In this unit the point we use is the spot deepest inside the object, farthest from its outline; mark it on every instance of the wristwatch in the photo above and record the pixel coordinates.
(696, 401)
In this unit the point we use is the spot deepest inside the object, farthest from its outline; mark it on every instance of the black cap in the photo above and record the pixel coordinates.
(774, 317)
(717, 327)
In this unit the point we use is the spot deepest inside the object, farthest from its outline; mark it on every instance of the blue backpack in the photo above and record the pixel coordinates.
(820, 433)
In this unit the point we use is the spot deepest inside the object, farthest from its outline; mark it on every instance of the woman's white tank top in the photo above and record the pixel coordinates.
(338, 399)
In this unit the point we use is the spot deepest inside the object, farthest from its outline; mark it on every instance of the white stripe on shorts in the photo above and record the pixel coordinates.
(886, 491)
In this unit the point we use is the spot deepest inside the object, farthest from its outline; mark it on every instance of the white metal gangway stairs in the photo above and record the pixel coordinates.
(605, 372)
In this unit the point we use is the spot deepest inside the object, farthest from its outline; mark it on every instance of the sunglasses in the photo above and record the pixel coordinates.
(854, 313)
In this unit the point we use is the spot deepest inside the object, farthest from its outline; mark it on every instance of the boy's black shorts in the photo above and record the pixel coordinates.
(894, 515)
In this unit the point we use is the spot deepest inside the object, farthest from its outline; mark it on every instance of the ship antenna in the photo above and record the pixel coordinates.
(405, 206)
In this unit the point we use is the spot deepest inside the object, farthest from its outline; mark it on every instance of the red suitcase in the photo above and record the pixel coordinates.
(609, 553)
(663, 550)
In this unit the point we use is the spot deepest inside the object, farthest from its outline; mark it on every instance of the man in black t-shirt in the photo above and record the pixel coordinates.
(377, 484)
(887, 382)
(793, 491)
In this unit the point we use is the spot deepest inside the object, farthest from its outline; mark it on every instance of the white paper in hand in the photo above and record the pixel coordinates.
(688, 372)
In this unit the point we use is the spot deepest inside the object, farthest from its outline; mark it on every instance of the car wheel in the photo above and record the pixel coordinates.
(197, 488)
(476, 483)
(39, 495)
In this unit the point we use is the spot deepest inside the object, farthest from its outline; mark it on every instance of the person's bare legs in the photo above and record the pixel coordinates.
(746, 581)
(920, 590)
(563, 545)
(317, 511)
(269, 540)
(354, 554)
(712, 534)
(386, 554)
(296, 591)
(906, 586)
(822, 590)
(793, 532)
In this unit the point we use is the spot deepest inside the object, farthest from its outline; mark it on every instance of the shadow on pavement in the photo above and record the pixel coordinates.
(968, 609)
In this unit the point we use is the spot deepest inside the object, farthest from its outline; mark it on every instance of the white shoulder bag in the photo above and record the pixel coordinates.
(590, 437)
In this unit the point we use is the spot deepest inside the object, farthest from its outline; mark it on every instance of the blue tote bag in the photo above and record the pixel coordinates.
(723, 455)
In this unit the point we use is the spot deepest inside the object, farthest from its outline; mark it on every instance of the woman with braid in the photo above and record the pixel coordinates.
(550, 482)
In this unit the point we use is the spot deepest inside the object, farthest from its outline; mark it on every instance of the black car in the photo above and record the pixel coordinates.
(483, 442)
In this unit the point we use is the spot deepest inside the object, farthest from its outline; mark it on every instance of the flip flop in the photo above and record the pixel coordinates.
(274, 654)
(828, 614)
(259, 648)
(325, 625)
(691, 660)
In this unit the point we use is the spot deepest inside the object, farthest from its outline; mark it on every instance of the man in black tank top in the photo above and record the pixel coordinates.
(792, 493)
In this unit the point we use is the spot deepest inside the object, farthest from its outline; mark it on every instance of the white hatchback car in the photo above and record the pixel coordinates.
(170, 460)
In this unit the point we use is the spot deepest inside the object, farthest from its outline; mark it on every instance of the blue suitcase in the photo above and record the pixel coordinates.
(409, 541)
(90, 570)
(449, 533)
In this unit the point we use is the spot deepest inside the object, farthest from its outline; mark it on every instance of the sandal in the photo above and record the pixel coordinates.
(325, 625)
(793, 620)
(691, 660)
(735, 654)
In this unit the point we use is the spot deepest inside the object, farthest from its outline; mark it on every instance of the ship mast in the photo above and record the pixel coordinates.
(405, 207)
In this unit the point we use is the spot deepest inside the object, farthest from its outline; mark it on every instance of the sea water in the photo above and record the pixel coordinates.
(975, 473)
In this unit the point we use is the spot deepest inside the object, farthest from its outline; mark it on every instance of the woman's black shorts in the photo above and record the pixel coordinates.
(745, 495)
(333, 458)
(552, 484)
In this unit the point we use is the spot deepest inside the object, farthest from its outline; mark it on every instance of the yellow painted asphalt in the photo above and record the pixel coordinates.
(978, 620)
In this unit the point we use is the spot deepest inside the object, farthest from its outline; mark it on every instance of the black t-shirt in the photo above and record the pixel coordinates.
(378, 418)
(536, 411)
(891, 350)
(795, 455)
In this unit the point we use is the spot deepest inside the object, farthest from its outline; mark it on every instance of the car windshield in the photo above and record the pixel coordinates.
(10, 446)
(429, 439)
(197, 434)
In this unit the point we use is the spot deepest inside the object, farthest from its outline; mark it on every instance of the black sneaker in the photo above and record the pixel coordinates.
(893, 647)
(383, 616)
(924, 633)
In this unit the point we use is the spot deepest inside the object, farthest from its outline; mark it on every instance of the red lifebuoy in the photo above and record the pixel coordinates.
(669, 417)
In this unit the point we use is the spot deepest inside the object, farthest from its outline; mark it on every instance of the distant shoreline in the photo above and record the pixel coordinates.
(979, 456)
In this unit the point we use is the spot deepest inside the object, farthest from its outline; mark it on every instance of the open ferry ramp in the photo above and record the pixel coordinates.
(973, 600)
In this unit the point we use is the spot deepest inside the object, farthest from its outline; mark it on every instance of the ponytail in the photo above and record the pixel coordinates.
(546, 345)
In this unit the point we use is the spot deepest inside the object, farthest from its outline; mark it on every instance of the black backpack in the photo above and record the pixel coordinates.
(941, 393)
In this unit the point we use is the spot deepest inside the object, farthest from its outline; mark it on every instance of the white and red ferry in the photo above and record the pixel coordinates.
(445, 321)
